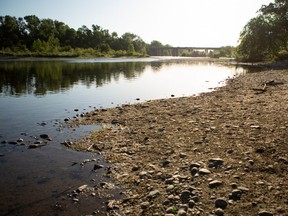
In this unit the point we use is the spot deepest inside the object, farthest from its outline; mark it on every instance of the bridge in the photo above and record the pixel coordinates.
(174, 51)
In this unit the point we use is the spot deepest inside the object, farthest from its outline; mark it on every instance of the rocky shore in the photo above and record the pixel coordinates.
(219, 153)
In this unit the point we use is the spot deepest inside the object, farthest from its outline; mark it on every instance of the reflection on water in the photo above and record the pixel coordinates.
(39, 78)
(36, 96)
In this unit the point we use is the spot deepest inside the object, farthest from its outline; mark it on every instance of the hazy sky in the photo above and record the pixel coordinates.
(173, 22)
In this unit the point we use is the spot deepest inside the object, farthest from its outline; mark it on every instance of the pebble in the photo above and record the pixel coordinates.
(191, 203)
(219, 212)
(153, 194)
(185, 195)
(236, 194)
(181, 212)
(265, 213)
(215, 183)
(82, 188)
(144, 205)
(215, 162)
(204, 171)
(20, 140)
(221, 203)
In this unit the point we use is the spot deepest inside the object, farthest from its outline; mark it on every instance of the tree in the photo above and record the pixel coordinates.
(266, 35)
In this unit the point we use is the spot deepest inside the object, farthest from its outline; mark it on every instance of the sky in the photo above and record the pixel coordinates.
(208, 23)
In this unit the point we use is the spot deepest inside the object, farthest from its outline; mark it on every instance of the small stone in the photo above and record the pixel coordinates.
(97, 166)
(219, 212)
(265, 213)
(181, 212)
(204, 171)
(144, 205)
(185, 195)
(198, 142)
(82, 188)
(192, 165)
(215, 183)
(45, 136)
(236, 194)
(230, 151)
(182, 155)
(194, 170)
(143, 174)
(191, 203)
(165, 163)
(243, 189)
(221, 203)
(153, 194)
(33, 146)
(260, 150)
(20, 140)
(171, 210)
(215, 162)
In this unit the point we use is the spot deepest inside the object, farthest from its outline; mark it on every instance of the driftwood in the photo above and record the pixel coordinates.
(268, 83)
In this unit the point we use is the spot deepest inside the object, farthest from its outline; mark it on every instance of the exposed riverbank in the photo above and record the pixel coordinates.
(220, 152)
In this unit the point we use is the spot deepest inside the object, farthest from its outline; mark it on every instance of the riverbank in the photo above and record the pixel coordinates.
(220, 152)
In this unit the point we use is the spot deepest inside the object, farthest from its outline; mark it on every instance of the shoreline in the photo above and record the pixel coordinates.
(220, 152)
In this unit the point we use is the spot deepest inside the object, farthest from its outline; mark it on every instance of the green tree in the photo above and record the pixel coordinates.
(266, 35)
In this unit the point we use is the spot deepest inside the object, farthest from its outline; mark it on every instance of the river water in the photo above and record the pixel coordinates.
(37, 95)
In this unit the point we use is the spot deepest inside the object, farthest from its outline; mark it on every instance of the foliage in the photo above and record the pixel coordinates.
(31, 36)
(265, 37)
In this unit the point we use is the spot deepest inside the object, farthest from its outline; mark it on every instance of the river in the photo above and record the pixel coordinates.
(37, 96)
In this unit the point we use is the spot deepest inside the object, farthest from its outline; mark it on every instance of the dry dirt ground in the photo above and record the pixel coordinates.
(219, 153)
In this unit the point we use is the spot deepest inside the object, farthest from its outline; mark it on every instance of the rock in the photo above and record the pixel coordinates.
(153, 194)
(182, 155)
(171, 210)
(143, 174)
(243, 189)
(165, 163)
(215, 162)
(144, 205)
(185, 195)
(194, 170)
(204, 171)
(265, 213)
(45, 136)
(198, 142)
(31, 146)
(112, 204)
(236, 194)
(221, 203)
(192, 165)
(181, 212)
(67, 119)
(191, 203)
(219, 212)
(230, 151)
(260, 150)
(215, 183)
(20, 140)
(97, 166)
(82, 188)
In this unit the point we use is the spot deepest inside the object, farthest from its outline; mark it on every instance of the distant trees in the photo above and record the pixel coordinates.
(266, 36)
(33, 36)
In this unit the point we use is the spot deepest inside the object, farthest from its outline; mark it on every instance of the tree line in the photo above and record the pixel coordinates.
(33, 36)
(265, 37)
